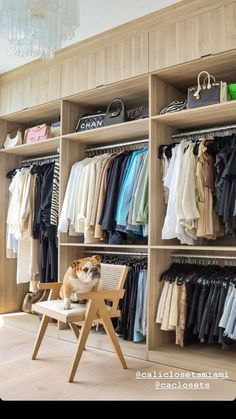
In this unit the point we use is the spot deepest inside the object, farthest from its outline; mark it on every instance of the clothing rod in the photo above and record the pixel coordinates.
(204, 257)
(203, 131)
(116, 253)
(105, 147)
(41, 158)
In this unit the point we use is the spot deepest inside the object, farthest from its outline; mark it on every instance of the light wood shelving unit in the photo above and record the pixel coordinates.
(161, 128)
(212, 115)
(42, 147)
(44, 112)
(106, 245)
(157, 88)
(119, 132)
(199, 248)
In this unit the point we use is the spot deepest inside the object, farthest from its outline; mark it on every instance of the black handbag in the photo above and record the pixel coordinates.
(137, 113)
(206, 93)
(114, 114)
(88, 122)
(101, 119)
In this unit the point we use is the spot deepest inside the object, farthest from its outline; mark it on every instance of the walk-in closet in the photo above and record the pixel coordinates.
(134, 192)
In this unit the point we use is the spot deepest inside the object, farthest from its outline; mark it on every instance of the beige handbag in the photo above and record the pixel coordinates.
(12, 142)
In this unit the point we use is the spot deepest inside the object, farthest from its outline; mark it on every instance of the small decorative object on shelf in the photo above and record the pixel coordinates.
(232, 91)
(174, 106)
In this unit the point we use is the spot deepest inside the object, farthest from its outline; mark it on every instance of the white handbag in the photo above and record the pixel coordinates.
(12, 142)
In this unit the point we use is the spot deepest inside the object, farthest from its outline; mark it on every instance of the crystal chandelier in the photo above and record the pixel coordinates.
(38, 27)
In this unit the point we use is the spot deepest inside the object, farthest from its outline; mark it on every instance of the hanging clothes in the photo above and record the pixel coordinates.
(199, 186)
(132, 324)
(30, 235)
(198, 303)
(107, 198)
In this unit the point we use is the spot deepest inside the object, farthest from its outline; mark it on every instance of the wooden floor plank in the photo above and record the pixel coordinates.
(99, 376)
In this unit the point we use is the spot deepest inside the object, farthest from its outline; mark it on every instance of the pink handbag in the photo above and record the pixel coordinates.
(38, 133)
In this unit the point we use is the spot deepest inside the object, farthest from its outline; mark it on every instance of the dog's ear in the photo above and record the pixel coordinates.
(98, 258)
(73, 264)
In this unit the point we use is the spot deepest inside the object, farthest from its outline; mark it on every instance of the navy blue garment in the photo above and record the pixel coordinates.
(128, 305)
(107, 220)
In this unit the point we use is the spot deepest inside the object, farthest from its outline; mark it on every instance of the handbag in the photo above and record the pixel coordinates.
(137, 113)
(33, 298)
(117, 115)
(88, 122)
(56, 128)
(101, 119)
(206, 93)
(12, 142)
(37, 133)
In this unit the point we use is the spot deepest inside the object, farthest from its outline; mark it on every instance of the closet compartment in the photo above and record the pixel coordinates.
(114, 138)
(101, 62)
(11, 294)
(167, 128)
(161, 343)
(133, 93)
(135, 347)
(211, 222)
(16, 266)
(11, 158)
(102, 201)
(193, 36)
(31, 117)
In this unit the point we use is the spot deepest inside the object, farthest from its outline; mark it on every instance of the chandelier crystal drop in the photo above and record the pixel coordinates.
(38, 27)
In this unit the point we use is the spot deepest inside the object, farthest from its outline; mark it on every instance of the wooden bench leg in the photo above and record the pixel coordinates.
(90, 316)
(107, 323)
(42, 329)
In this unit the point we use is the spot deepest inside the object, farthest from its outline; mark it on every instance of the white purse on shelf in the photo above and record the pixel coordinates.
(12, 142)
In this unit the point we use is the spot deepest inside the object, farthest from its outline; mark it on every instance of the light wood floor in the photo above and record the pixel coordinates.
(99, 376)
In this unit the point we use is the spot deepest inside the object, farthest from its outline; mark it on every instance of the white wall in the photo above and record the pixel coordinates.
(99, 15)
(96, 16)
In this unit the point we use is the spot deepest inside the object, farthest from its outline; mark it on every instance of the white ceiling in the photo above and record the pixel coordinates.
(95, 17)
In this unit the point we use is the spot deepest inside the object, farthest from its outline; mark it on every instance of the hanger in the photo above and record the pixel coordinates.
(12, 173)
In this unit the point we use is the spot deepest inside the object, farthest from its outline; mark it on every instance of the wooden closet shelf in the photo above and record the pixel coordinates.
(111, 246)
(40, 148)
(200, 248)
(36, 114)
(118, 132)
(212, 115)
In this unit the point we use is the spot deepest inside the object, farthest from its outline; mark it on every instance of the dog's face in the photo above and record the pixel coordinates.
(87, 269)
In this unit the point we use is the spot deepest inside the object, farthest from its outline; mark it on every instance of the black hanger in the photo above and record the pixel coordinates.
(12, 173)
(196, 148)
(168, 150)
(161, 151)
